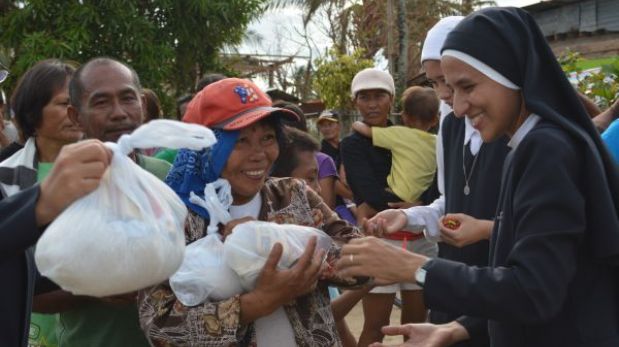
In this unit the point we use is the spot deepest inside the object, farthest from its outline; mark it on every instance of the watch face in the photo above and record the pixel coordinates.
(420, 276)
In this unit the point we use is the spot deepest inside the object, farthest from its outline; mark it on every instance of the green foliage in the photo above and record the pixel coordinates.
(602, 86)
(170, 43)
(334, 75)
(570, 62)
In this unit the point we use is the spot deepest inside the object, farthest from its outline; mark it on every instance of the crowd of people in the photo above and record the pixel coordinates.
(500, 229)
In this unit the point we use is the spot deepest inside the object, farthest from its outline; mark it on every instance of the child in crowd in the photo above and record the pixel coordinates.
(412, 146)
(301, 162)
(300, 153)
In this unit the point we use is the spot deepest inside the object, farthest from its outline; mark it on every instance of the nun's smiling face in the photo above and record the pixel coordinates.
(493, 109)
(435, 76)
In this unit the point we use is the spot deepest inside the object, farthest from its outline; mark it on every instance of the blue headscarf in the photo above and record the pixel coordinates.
(192, 170)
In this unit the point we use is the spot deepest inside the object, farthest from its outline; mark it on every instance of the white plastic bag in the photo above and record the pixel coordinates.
(247, 248)
(204, 275)
(129, 233)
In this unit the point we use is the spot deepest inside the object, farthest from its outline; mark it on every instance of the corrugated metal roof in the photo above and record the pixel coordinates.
(568, 16)
(547, 4)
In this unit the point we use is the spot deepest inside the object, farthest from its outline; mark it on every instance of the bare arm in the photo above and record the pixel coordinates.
(362, 128)
(603, 120)
(327, 190)
(343, 190)
(4, 141)
(59, 301)
(344, 303)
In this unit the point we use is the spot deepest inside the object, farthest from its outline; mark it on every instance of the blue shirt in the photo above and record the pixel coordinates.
(611, 138)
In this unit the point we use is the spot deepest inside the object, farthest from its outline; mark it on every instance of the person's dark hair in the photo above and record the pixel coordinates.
(152, 109)
(35, 89)
(301, 123)
(76, 87)
(276, 123)
(420, 103)
(208, 79)
(184, 99)
(296, 141)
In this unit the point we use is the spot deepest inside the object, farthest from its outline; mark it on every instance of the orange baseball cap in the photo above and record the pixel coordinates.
(231, 104)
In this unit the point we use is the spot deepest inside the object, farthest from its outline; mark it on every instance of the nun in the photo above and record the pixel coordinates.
(468, 184)
(553, 278)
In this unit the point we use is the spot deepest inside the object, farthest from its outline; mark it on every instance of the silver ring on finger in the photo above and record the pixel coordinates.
(352, 259)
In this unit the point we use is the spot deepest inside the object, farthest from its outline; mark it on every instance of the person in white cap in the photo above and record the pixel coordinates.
(468, 184)
(367, 168)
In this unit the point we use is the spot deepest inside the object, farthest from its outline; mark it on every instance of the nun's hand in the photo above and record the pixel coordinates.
(278, 287)
(385, 222)
(461, 230)
(426, 335)
(375, 258)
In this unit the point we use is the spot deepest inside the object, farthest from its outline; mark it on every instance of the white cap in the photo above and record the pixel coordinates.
(436, 37)
(372, 79)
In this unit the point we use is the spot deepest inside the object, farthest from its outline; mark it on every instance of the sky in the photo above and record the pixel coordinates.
(281, 31)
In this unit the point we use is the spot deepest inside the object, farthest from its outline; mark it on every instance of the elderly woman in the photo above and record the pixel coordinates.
(294, 310)
(40, 102)
(554, 252)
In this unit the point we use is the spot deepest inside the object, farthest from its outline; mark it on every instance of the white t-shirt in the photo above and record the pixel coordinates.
(275, 329)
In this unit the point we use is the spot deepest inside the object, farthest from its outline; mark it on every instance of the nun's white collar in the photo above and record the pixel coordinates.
(523, 130)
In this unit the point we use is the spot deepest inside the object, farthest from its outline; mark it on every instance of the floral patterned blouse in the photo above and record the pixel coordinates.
(167, 322)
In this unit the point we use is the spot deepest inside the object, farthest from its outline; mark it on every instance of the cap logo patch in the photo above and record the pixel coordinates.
(246, 93)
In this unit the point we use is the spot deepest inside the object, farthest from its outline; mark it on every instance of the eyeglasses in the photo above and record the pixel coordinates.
(3, 75)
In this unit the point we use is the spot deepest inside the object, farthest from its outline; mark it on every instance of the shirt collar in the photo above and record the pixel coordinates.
(469, 131)
(523, 130)
(472, 136)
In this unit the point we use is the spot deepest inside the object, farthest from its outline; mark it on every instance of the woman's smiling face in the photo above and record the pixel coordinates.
(251, 160)
(494, 110)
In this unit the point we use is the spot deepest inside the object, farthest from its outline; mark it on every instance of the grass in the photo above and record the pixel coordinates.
(592, 63)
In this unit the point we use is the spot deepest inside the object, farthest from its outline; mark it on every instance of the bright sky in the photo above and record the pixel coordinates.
(280, 32)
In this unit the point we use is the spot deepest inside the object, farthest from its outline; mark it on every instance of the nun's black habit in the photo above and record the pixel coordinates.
(553, 278)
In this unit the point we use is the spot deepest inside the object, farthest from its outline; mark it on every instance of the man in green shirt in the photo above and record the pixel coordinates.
(106, 100)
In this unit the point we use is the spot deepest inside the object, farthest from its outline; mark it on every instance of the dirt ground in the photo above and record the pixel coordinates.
(355, 323)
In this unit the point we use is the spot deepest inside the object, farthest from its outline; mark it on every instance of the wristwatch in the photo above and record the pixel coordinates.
(420, 274)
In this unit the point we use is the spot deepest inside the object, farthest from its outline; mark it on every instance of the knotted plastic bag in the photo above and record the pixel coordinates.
(204, 274)
(127, 234)
(248, 247)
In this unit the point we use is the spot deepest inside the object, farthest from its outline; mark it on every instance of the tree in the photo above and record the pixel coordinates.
(333, 78)
(397, 27)
(170, 43)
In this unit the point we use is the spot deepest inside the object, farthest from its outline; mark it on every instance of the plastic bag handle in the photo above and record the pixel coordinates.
(217, 201)
(169, 134)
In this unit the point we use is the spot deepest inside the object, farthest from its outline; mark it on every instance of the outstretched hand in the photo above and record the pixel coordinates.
(77, 171)
(461, 230)
(384, 223)
(426, 335)
(375, 258)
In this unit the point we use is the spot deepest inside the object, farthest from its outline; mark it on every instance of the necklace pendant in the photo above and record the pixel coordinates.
(467, 190)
